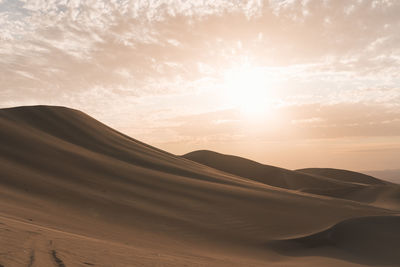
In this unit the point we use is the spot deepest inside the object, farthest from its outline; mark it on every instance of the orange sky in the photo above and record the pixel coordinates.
(311, 83)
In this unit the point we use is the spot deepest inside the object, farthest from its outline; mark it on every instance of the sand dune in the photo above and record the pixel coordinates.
(266, 174)
(326, 182)
(70, 185)
(369, 240)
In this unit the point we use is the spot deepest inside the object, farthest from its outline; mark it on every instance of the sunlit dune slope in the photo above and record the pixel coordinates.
(327, 182)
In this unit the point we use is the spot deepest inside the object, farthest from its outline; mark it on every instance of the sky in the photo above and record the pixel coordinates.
(291, 83)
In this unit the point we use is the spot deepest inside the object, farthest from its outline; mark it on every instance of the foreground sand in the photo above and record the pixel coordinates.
(74, 192)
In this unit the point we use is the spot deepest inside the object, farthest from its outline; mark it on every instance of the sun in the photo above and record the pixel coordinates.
(248, 89)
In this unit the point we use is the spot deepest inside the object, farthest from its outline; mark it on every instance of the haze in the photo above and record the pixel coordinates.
(289, 83)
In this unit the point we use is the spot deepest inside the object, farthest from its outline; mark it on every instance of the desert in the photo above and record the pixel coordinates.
(75, 192)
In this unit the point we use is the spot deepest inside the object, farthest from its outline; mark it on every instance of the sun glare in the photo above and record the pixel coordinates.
(249, 89)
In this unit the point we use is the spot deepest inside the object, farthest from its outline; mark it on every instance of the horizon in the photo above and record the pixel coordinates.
(293, 84)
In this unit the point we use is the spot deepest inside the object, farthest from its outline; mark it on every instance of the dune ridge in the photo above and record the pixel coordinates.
(66, 178)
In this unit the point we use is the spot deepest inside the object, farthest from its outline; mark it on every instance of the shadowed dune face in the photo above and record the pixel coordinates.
(367, 240)
(61, 169)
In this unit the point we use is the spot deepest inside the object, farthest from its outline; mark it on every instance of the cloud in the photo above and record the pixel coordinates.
(84, 42)
(335, 62)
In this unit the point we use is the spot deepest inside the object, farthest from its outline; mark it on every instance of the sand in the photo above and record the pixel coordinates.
(74, 192)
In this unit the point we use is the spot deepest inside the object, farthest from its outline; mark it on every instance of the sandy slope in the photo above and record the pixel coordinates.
(76, 190)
